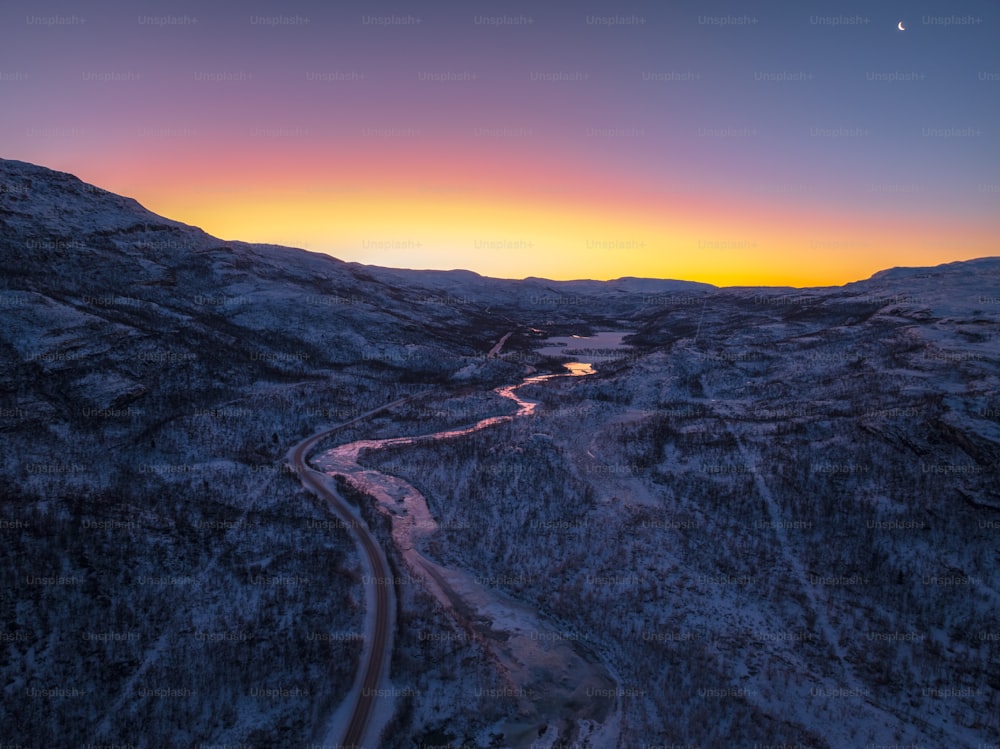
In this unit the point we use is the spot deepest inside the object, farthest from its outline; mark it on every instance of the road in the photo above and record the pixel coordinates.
(381, 614)
(495, 351)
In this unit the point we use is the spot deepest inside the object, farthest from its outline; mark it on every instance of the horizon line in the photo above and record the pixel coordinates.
(479, 274)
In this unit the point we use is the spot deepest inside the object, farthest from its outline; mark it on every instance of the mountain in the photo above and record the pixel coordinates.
(776, 515)
(772, 517)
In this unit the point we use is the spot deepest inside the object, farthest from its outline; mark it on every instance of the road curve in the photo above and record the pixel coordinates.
(366, 686)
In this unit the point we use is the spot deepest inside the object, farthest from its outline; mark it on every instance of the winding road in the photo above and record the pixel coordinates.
(380, 609)
(353, 727)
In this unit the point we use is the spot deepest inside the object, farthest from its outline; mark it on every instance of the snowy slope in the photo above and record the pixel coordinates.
(774, 517)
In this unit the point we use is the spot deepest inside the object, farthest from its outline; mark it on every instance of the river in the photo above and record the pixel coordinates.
(558, 673)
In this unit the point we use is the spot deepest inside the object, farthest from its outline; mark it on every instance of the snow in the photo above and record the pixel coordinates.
(701, 454)
(535, 654)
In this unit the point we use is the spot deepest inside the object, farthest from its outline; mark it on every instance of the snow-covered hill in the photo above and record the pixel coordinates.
(775, 517)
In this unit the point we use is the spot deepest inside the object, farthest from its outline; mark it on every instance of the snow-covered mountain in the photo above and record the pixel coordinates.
(774, 517)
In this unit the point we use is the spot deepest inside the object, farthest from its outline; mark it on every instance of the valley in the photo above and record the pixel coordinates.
(611, 513)
(547, 711)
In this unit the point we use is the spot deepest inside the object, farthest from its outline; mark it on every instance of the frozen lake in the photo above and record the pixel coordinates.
(602, 346)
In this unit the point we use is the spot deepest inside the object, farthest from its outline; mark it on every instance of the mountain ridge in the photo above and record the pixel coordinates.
(770, 498)
(73, 185)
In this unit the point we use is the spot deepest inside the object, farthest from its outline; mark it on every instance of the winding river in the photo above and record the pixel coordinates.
(555, 681)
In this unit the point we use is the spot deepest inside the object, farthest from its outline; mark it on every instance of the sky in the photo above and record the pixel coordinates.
(735, 143)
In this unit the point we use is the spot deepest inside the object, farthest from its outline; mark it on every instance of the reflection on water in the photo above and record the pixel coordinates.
(578, 368)
(420, 522)
(531, 651)
(344, 457)
(525, 407)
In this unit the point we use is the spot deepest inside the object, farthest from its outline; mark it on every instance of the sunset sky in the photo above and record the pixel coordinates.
(801, 143)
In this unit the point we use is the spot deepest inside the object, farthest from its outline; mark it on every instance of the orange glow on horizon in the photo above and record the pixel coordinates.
(514, 239)
(498, 222)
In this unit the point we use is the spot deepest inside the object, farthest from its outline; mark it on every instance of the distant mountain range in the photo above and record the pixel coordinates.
(152, 378)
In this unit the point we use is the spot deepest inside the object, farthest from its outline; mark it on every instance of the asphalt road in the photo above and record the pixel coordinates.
(380, 647)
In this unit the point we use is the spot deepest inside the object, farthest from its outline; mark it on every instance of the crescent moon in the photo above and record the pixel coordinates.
(900, 26)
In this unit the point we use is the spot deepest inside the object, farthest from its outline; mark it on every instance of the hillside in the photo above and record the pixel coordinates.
(773, 518)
